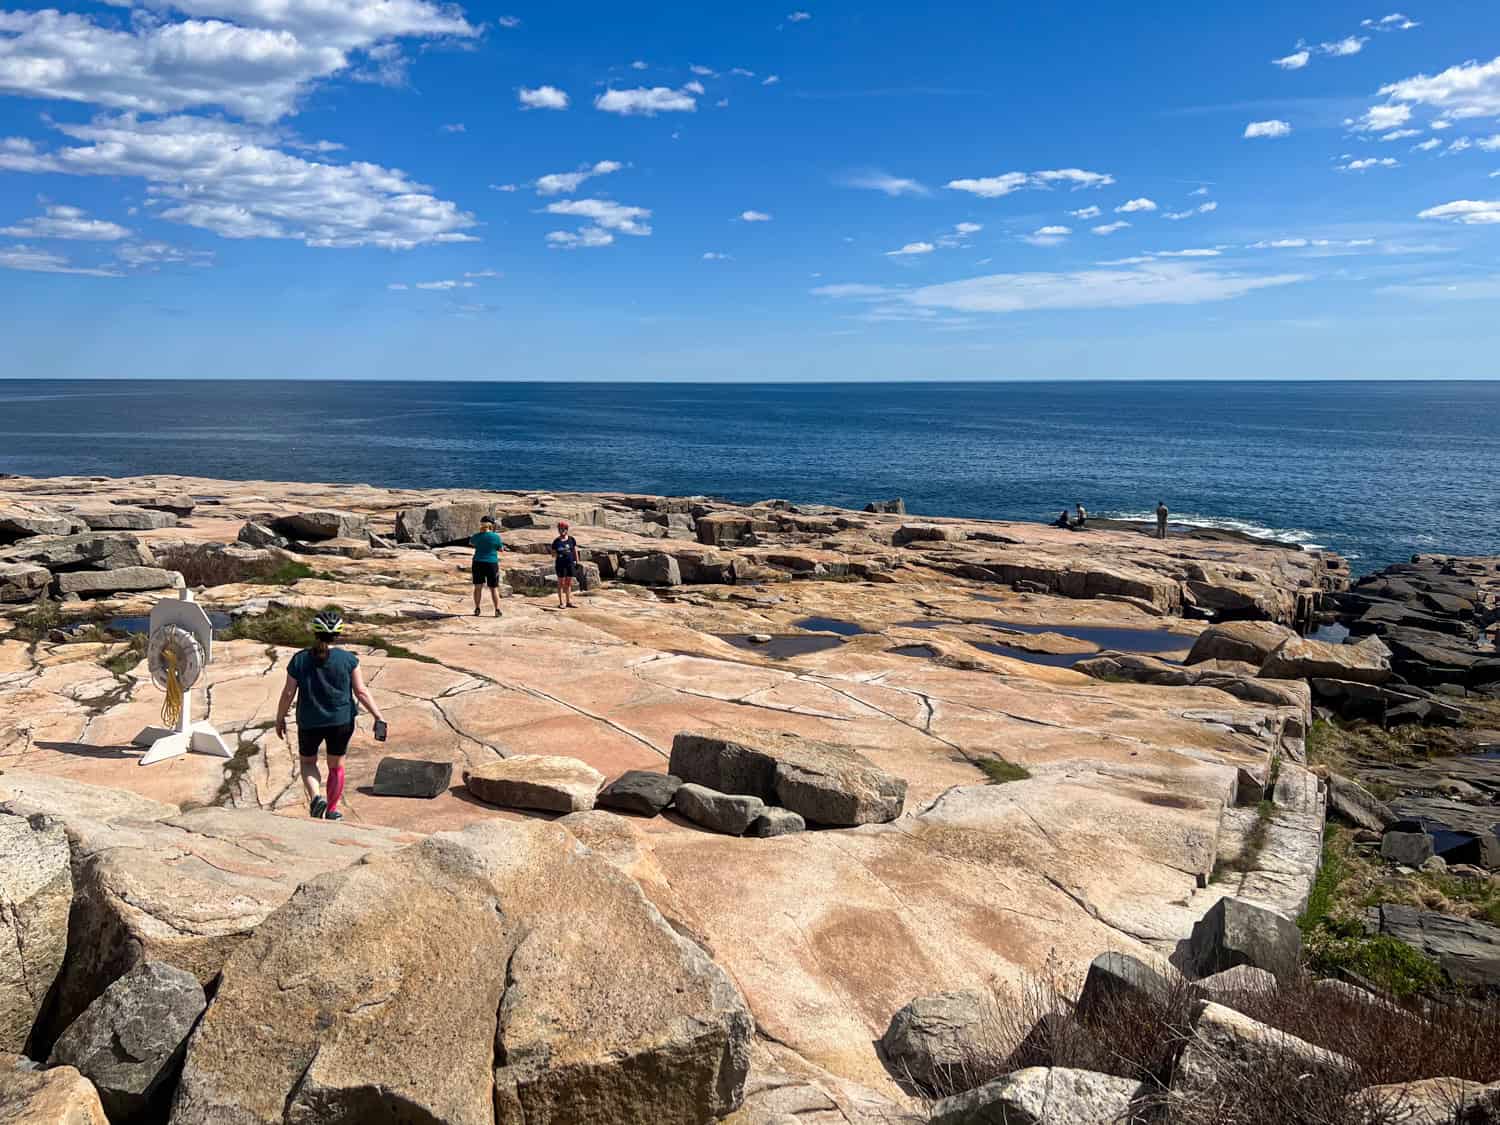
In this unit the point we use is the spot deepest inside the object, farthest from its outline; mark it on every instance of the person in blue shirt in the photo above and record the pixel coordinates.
(485, 569)
(565, 557)
(325, 681)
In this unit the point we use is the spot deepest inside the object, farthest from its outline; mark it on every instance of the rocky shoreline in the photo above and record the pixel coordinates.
(806, 765)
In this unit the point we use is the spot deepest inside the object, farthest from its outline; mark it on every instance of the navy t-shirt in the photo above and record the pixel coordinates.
(566, 550)
(325, 688)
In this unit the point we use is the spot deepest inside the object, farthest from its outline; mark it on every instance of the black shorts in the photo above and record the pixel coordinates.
(310, 738)
(485, 574)
(564, 569)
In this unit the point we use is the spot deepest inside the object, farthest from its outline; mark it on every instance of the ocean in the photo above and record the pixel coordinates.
(1374, 470)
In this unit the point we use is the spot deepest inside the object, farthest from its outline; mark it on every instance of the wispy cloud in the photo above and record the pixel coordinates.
(1048, 236)
(542, 97)
(605, 213)
(1393, 22)
(72, 223)
(993, 187)
(564, 183)
(1110, 228)
(1089, 212)
(456, 127)
(645, 101)
(1273, 128)
(1471, 212)
(754, 217)
(31, 260)
(1366, 163)
(885, 182)
(1202, 209)
(798, 17)
(910, 249)
(1295, 61)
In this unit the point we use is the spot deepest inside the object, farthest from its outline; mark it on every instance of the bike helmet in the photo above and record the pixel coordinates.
(329, 623)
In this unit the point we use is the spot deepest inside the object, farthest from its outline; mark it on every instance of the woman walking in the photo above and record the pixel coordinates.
(325, 681)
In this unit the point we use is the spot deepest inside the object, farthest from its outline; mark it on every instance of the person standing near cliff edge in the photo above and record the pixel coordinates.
(1161, 519)
(485, 569)
(565, 558)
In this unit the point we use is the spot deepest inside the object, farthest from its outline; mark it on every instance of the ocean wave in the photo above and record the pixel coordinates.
(1293, 535)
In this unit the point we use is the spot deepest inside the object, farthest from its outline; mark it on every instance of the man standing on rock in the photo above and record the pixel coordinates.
(565, 557)
(485, 569)
(1161, 519)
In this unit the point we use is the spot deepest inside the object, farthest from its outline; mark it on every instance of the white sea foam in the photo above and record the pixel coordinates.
(1292, 535)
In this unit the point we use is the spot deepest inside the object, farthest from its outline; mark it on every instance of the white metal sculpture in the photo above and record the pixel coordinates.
(180, 648)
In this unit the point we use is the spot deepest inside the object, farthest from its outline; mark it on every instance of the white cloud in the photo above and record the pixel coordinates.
(968, 228)
(1427, 146)
(1367, 163)
(435, 286)
(1280, 244)
(770, 80)
(1462, 144)
(67, 223)
(1089, 212)
(152, 255)
(1490, 143)
(1202, 209)
(1401, 134)
(714, 256)
(1110, 228)
(754, 217)
(854, 290)
(741, 72)
(694, 87)
(722, 103)
(1156, 283)
(1199, 191)
(1393, 22)
(1133, 205)
(1471, 89)
(509, 22)
(885, 182)
(1471, 212)
(1048, 236)
(958, 235)
(640, 64)
(505, 187)
(565, 183)
(482, 273)
(798, 17)
(993, 187)
(1459, 289)
(645, 101)
(1207, 208)
(456, 127)
(1351, 45)
(397, 286)
(1271, 128)
(44, 261)
(1379, 118)
(542, 97)
(704, 71)
(230, 179)
(605, 213)
(257, 67)
(911, 248)
(586, 238)
(1295, 61)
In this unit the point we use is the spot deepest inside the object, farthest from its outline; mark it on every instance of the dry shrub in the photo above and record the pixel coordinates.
(1142, 1038)
(208, 564)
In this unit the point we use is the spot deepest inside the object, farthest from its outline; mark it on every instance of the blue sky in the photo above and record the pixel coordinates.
(338, 189)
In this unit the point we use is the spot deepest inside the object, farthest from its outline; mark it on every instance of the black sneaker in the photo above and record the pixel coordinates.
(497, 612)
(318, 808)
(333, 814)
(476, 611)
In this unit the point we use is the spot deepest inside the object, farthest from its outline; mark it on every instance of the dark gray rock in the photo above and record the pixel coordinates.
(259, 535)
(324, 524)
(1236, 932)
(1467, 949)
(412, 777)
(933, 1041)
(439, 525)
(776, 822)
(653, 570)
(36, 896)
(123, 517)
(1356, 804)
(1118, 978)
(23, 582)
(729, 813)
(1247, 641)
(95, 583)
(178, 503)
(1041, 1095)
(129, 1042)
(639, 791)
(1410, 849)
(94, 550)
(896, 507)
(23, 521)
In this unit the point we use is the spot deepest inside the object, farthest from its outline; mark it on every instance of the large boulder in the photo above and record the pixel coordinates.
(22, 521)
(254, 534)
(776, 822)
(1236, 932)
(729, 813)
(1409, 849)
(934, 1041)
(504, 973)
(60, 1096)
(822, 781)
(186, 888)
(1237, 592)
(536, 781)
(97, 583)
(1247, 641)
(1226, 1046)
(94, 550)
(23, 582)
(412, 777)
(1356, 804)
(322, 524)
(1466, 948)
(896, 507)
(724, 529)
(1302, 658)
(441, 525)
(124, 517)
(927, 533)
(645, 792)
(1436, 1101)
(129, 1042)
(36, 894)
(1117, 980)
(1042, 1095)
(653, 570)
(180, 504)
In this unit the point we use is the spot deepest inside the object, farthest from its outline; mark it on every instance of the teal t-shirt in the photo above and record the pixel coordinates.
(325, 688)
(486, 546)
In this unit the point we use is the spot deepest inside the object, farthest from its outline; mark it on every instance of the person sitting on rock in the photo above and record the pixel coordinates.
(325, 681)
(1083, 516)
(1062, 520)
(485, 569)
(565, 558)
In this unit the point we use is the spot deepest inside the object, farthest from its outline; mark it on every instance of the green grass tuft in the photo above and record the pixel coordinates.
(999, 771)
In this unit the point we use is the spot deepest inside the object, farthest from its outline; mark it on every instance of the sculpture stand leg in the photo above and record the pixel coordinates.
(168, 743)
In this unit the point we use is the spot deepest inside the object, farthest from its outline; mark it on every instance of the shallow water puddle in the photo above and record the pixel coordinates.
(923, 651)
(1108, 637)
(830, 625)
(782, 646)
(143, 624)
(1055, 659)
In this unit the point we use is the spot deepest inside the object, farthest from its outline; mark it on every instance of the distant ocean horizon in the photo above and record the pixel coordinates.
(1374, 470)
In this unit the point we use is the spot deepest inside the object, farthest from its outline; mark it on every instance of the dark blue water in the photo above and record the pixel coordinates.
(1376, 471)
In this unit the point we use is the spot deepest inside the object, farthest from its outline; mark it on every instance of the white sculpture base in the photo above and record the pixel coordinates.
(167, 743)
